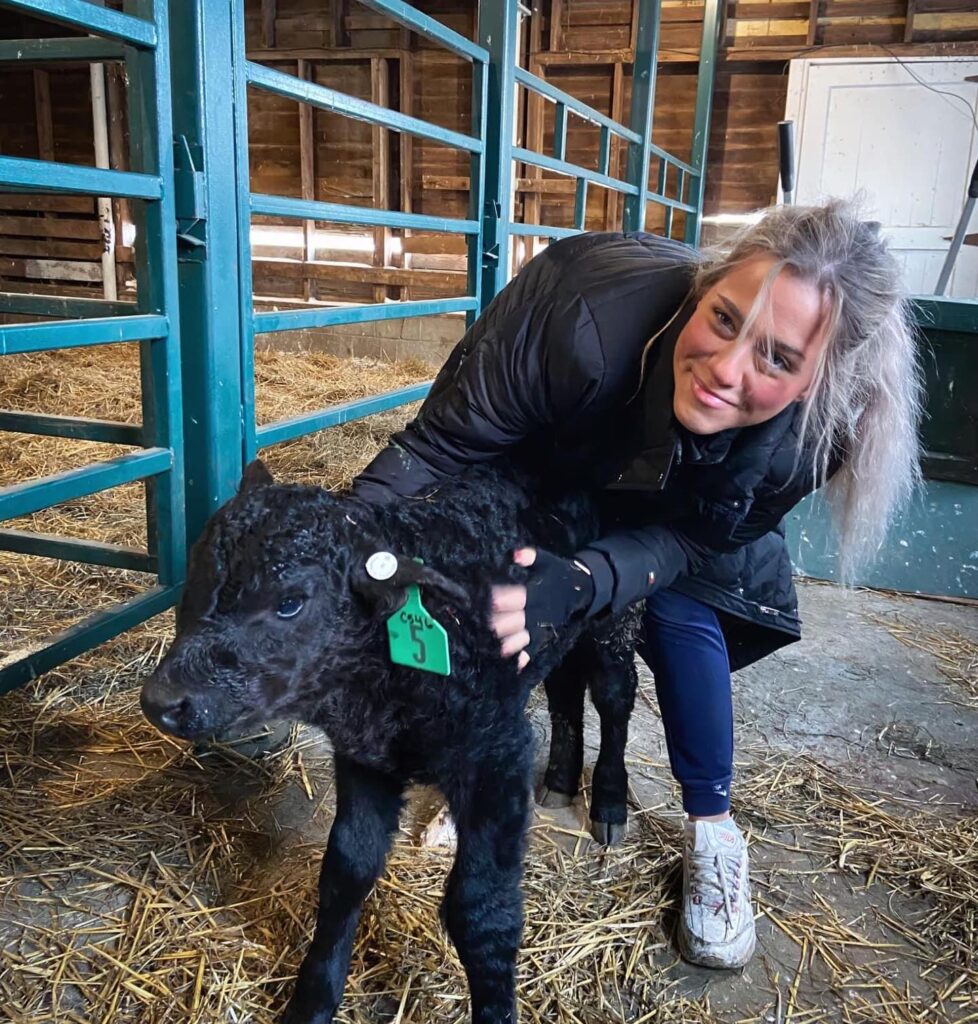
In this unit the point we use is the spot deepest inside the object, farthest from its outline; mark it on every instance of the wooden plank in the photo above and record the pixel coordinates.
(347, 55)
(268, 13)
(568, 58)
(768, 12)
(946, 7)
(369, 23)
(50, 270)
(42, 108)
(380, 94)
(307, 170)
(863, 9)
(50, 227)
(435, 245)
(23, 202)
(50, 248)
(460, 183)
(355, 273)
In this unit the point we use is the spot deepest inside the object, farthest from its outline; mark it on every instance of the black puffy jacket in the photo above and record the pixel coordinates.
(552, 373)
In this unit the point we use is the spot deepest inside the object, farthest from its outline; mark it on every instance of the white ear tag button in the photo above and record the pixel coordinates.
(381, 565)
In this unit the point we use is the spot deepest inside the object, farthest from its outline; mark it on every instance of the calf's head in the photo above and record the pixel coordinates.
(277, 603)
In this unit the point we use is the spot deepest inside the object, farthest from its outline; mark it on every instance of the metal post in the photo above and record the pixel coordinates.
(207, 238)
(497, 33)
(640, 117)
(704, 110)
(150, 141)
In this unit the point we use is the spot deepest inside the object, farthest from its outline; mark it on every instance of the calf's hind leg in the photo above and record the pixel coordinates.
(368, 804)
(613, 694)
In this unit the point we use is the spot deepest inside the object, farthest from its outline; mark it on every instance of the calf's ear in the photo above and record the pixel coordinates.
(256, 474)
(387, 593)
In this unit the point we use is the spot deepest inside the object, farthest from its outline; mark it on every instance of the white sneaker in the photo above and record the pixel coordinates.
(717, 926)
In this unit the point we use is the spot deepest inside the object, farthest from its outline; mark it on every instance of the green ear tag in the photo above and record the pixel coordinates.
(416, 639)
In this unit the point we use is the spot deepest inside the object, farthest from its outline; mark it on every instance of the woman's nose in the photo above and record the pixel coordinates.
(728, 365)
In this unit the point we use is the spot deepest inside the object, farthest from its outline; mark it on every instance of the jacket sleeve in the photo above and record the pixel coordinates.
(630, 565)
(518, 374)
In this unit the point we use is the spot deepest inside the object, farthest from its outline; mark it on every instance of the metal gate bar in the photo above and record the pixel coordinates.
(153, 326)
(499, 34)
(337, 102)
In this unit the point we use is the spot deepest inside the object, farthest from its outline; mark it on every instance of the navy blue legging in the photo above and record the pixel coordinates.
(684, 647)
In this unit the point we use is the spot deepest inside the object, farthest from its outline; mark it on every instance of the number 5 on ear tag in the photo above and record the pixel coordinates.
(416, 639)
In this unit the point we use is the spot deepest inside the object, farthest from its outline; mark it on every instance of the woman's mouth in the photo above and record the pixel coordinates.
(705, 396)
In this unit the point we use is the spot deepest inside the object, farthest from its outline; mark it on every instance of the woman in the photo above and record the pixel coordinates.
(701, 396)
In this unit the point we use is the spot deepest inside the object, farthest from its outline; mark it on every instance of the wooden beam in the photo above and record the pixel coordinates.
(307, 171)
(42, 109)
(534, 141)
(556, 26)
(908, 25)
(380, 94)
(268, 14)
(340, 35)
(813, 8)
(761, 54)
(617, 113)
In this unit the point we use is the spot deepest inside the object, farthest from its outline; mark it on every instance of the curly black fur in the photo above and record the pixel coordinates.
(244, 654)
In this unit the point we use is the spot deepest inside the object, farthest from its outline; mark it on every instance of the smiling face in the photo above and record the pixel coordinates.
(725, 377)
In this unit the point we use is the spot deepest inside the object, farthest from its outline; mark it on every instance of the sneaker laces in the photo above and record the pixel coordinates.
(710, 873)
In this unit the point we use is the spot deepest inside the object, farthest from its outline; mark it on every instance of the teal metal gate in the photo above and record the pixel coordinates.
(140, 39)
(191, 149)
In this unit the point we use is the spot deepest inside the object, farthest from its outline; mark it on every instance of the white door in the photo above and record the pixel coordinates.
(880, 127)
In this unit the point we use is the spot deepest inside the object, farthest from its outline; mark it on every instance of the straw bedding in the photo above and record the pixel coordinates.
(140, 881)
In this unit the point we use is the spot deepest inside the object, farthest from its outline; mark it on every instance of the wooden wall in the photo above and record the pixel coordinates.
(583, 46)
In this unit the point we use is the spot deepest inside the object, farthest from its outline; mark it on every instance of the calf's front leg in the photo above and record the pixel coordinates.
(483, 906)
(368, 804)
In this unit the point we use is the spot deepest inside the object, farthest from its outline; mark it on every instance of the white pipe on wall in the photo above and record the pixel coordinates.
(100, 121)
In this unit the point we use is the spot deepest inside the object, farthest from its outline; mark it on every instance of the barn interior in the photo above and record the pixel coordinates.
(262, 226)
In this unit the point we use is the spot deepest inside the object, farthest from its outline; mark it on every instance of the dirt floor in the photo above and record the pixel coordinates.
(143, 883)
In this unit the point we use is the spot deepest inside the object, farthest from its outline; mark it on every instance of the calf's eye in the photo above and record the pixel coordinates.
(289, 608)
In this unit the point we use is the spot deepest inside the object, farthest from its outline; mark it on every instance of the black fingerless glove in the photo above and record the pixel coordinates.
(558, 590)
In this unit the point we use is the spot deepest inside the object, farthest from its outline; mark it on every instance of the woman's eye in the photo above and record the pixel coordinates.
(777, 361)
(289, 608)
(724, 320)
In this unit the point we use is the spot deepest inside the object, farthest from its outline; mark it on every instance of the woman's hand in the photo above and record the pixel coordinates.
(508, 617)
(527, 618)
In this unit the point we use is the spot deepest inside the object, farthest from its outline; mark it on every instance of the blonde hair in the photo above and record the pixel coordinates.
(864, 404)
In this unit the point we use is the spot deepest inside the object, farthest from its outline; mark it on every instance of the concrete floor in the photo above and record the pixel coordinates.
(885, 721)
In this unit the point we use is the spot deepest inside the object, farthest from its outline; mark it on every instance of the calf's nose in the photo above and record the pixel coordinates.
(167, 709)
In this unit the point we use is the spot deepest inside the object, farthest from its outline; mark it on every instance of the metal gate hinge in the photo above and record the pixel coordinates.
(189, 196)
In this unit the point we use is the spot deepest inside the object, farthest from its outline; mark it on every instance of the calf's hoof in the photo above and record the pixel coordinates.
(440, 832)
(551, 798)
(607, 834)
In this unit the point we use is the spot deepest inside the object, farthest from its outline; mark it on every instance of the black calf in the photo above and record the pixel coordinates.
(281, 620)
